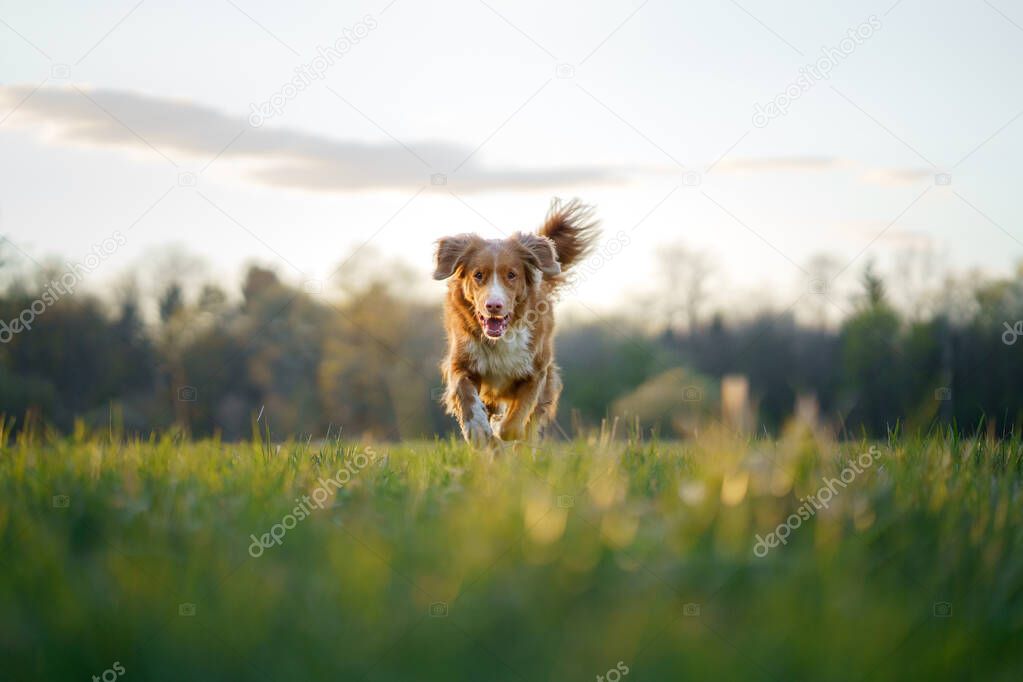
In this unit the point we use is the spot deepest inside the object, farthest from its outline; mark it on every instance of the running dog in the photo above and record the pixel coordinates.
(501, 380)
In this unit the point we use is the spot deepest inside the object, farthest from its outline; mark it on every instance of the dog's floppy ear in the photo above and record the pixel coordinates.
(540, 253)
(451, 251)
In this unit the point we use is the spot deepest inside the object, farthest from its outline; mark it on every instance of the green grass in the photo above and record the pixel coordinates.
(533, 590)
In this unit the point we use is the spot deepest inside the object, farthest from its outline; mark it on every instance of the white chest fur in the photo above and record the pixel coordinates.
(508, 357)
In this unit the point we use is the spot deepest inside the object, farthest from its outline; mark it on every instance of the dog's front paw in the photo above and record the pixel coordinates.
(477, 431)
(509, 431)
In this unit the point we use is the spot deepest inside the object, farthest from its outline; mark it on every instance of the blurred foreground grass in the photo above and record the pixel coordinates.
(434, 562)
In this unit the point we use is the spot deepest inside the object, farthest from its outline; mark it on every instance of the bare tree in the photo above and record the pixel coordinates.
(686, 274)
(823, 268)
(918, 269)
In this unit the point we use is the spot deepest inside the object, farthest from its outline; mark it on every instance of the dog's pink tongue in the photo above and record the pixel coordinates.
(494, 325)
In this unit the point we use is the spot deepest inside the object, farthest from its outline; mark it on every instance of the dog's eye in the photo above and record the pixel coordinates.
(478, 276)
(511, 274)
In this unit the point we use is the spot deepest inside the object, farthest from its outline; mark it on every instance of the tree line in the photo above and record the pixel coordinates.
(364, 361)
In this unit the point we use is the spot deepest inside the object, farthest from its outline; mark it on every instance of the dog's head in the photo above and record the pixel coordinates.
(496, 275)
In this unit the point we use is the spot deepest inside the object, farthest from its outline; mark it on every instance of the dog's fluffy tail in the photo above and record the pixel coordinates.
(573, 230)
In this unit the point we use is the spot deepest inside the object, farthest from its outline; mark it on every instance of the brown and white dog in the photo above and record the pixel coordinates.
(499, 371)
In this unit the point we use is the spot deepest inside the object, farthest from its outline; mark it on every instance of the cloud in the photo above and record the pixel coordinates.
(887, 177)
(278, 157)
(772, 164)
(896, 177)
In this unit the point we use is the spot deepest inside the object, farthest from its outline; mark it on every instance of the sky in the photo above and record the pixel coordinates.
(290, 134)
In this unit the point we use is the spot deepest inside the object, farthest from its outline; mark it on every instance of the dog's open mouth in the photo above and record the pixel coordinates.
(494, 327)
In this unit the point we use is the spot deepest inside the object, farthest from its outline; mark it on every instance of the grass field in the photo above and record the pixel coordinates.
(173, 560)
